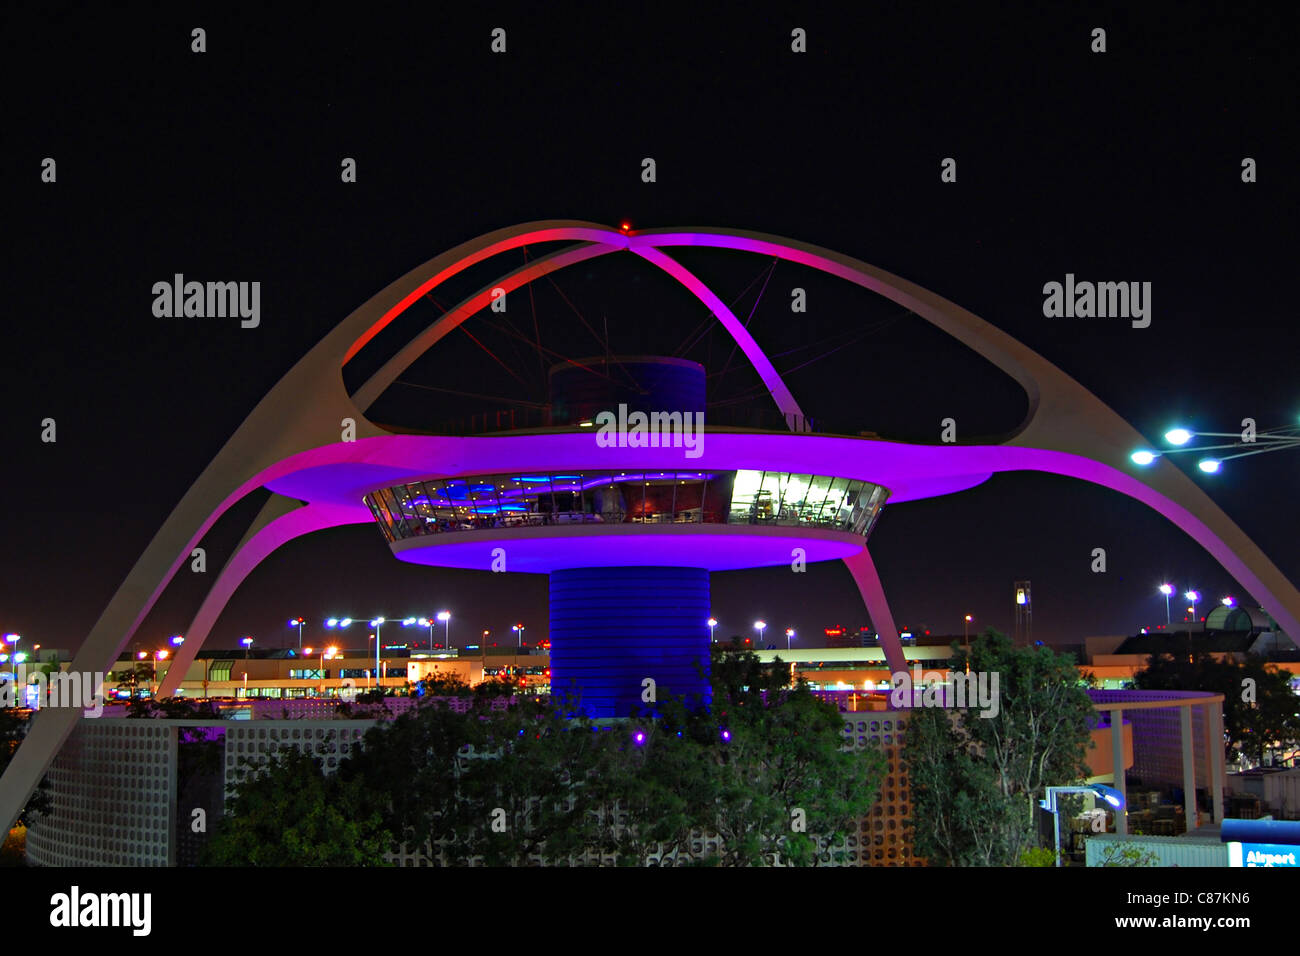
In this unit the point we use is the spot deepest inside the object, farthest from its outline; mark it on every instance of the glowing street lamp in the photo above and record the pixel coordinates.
(377, 623)
(445, 617)
(713, 623)
(1167, 590)
(760, 626)
(248, 643)
(1228, 602)
(1109, 794)
(423, 622)
(298, 623)
(177, 641)
(519, 632)
(1195, 598)
(789, 635)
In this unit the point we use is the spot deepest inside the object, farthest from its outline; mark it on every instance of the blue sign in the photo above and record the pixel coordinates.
(1263, 854)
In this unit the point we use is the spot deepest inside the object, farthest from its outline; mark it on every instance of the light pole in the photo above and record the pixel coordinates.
(1107, 793)
(248, 644)
(1167, 590)
(377, 623)
(1195, 598)
(298, 623)
(158, 658)
(445, 617)
(966, 635)
(713, 623)
(519, 631)
(760, 626)
(789, 635)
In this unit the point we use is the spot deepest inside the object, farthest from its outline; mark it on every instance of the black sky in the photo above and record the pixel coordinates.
(1116, 166)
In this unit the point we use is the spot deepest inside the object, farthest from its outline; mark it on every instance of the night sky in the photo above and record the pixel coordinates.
(1122, 166)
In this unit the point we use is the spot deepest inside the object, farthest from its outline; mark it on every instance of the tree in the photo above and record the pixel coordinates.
(977, 779)
(532, 782)
(13, 728)
(1259, 707)
(779, 758)
(292, 813)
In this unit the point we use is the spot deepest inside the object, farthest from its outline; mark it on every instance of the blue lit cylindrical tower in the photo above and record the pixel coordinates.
(612, 628)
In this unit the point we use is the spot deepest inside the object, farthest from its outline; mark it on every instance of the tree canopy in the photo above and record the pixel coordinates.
(763, 770)
(976, 780)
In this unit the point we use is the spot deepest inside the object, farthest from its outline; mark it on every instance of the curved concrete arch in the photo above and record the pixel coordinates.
(368, 393)
(280, 522)
(282, 431)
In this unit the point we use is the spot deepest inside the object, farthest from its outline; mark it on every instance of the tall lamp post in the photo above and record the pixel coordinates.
(298, 623)
(445, 617)
(761, 627)
(519, 632)
(789, 636)
(713, 623)
(377, 623)
(966, 635)
(1167, 590)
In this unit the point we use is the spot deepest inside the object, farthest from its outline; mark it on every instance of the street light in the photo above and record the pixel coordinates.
(1107, 793)
(1195, 598)
(789, 634)
(445, 617)
(760, 626)
(377, 623)
(177, 641)
(248, 643)
(1257, 443)
(519, 631)
(713, 623)
(298, 623)
(1166, 590)
(1228, 602)
(423, 622)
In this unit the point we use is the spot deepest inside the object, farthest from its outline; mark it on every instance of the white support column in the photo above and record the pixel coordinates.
(1215, 745)
(1189, 767)
(1117, 768)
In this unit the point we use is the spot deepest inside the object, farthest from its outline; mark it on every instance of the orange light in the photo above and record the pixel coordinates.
(625, 225)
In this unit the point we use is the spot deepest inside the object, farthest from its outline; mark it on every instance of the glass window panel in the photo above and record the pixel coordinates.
(794, 498)
(745, 494)
(819, 492)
